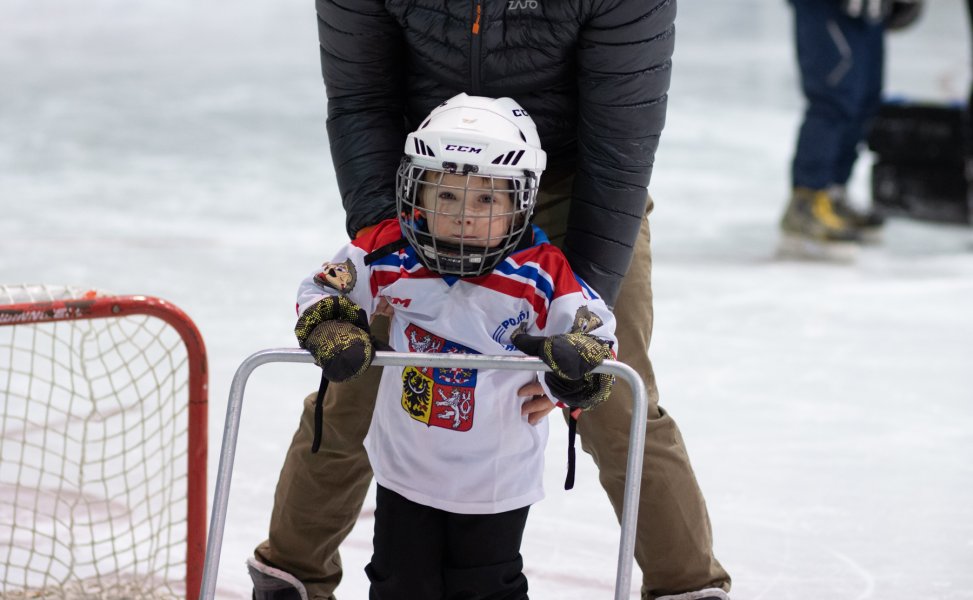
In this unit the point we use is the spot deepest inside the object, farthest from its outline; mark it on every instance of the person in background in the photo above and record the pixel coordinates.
(594, 76)
(840, 53)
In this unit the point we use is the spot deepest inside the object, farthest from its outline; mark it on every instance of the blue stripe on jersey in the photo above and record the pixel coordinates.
(541, 238)
(406, 258)
(530, 273)
(588, 291)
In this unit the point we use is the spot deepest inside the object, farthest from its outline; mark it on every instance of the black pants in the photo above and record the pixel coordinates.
(423, 553)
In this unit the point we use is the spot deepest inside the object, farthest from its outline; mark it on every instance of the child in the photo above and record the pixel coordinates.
(456, 463)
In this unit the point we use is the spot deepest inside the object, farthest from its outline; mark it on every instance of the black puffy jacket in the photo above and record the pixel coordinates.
(593, 74)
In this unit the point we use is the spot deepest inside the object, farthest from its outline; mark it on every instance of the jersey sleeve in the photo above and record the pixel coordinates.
(345, 274)
(560, 301)
(575, 308)
(577, 313)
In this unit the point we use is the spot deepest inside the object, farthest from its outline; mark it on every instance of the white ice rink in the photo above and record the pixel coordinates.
(177, 149)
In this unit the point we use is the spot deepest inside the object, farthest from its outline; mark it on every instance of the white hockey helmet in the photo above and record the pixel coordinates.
(467, 185)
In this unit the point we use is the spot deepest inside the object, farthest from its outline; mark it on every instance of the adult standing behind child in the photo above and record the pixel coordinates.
(594, 76)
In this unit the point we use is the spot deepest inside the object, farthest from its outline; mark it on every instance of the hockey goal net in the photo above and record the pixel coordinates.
(102, 446)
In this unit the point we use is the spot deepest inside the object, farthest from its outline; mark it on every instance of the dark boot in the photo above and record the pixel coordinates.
(869, 222)
(273, 584)
(812, 229)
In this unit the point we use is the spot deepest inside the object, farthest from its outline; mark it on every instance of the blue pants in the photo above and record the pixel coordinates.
(841, 62)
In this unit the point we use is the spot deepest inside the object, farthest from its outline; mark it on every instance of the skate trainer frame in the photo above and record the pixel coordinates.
(633, 470)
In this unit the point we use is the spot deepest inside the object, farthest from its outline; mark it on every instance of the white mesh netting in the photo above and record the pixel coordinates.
(93, 454)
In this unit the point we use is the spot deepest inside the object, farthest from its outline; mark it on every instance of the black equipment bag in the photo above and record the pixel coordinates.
(922, 152)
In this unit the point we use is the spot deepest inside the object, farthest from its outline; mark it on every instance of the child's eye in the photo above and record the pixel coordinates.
(487, 199)
(447, 196)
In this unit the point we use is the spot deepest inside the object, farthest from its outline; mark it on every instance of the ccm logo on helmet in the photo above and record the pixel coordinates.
(519, 112)
(458, 148)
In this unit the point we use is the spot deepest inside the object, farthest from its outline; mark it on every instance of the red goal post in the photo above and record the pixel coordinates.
(103, 446)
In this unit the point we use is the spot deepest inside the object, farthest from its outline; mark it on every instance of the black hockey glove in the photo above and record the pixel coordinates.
(335, 332)
(571, 357)
(902, 14)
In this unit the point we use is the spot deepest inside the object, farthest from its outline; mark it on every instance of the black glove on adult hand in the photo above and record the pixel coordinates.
(335, 332)
(571, 357)
(902, 14)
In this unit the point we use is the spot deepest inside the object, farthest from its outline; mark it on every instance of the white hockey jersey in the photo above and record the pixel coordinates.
(454, 439)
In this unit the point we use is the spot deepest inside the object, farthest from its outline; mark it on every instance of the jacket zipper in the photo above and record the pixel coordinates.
(475, 48)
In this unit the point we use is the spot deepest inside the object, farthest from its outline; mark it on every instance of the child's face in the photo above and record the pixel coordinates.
(463, 209)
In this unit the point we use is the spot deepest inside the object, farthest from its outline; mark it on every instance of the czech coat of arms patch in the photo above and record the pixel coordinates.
(438, 397)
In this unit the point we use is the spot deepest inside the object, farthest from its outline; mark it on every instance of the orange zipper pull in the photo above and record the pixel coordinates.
(476, 23)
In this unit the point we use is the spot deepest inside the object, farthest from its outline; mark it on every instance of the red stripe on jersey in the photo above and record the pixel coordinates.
(551, 261)
(517, 289)
(380, 235)
(387, 276)
(546, 276)
(380, 279)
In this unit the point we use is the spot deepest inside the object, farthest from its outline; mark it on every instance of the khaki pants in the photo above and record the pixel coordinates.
(319, 496)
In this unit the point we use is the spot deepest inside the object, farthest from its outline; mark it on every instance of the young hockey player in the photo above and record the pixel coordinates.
(456, 463)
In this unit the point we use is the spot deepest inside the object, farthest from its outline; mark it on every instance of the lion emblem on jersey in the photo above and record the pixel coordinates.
(340, 277)
(585, 321)
(438, 397)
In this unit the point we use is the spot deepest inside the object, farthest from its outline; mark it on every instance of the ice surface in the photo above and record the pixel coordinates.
(178, 149)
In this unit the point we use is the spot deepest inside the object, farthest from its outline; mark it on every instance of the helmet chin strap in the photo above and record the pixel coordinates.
(454, 259)
(473, 256)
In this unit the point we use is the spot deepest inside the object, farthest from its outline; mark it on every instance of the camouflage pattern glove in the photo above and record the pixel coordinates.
(571, 357)
(335, 332)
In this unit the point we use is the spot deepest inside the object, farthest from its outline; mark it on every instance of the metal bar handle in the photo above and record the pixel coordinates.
(633, 470)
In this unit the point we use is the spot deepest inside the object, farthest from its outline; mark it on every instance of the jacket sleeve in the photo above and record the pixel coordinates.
(624, 66)
(362, 62)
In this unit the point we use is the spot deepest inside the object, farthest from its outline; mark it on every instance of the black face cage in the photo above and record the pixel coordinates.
(476, 224)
